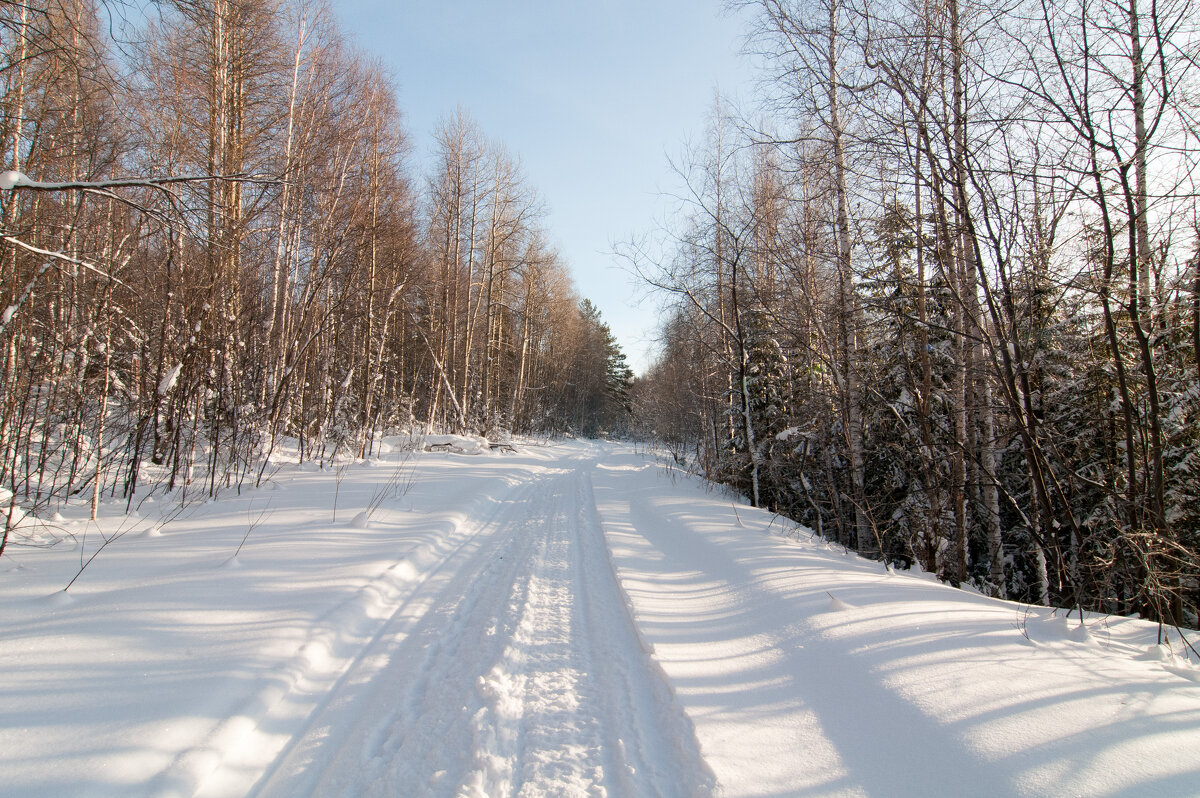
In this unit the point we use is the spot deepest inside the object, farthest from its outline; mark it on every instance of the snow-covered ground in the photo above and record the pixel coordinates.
(567, 619)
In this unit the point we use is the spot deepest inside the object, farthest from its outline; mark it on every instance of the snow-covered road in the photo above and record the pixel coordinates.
(573, 619)
(514, 668)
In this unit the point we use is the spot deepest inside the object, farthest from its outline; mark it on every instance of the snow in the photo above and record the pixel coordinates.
(460, 444)
(788, 434)
(169, 379)
(10, 179)
(566, 619)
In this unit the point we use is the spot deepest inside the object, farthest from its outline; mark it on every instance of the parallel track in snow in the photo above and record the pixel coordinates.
(514, 668)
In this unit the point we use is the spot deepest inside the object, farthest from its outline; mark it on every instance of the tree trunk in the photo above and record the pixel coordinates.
(863, 540)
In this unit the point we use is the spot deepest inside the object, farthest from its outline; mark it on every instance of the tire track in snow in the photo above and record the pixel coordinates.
(516, 670)
(402, 707)
(428, 569)
(651, 743)
(576, 706)
(339, 643)
(425, 745)
(537, 733)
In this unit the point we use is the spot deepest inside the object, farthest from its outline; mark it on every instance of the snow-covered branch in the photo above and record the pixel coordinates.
(63, 257)
(11, 179)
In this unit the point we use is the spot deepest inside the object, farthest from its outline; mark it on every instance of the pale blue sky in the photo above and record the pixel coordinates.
(591, 97)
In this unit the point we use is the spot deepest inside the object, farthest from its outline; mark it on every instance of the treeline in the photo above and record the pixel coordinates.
(939, 298)
(212, 237)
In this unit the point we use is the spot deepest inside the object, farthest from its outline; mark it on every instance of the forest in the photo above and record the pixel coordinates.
(934, 293)
(213, 237)
(945, 286)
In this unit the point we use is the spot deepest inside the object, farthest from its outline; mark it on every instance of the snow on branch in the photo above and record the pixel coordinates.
(12, 179)
(64, 257)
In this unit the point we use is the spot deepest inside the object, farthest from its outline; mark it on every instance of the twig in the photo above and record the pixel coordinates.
(339, 475)
(1187, 643)
(397, 485)
(83, 564)
(121, 532)
(252, 522)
